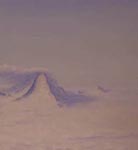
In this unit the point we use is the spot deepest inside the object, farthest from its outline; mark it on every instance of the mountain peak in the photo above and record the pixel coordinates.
(41, 85)
(37, 85)
(39, 95)
(42, 92)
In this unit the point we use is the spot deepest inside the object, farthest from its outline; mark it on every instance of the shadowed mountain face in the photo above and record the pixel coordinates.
(63, 96)
(14, 82)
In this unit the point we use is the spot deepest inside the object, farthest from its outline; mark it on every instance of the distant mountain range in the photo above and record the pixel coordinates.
(13, 82)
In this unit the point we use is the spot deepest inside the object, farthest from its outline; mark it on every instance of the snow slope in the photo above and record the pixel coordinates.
(37, 114)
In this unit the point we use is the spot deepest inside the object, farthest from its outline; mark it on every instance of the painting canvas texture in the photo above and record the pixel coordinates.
(68, 75)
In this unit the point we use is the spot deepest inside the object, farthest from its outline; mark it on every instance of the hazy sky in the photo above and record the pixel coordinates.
(83, 42)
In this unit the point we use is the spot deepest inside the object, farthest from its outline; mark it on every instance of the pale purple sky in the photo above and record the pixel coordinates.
(83, 42)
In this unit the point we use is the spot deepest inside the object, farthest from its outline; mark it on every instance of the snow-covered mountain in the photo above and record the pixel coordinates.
(21, 84)
(35, 114)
